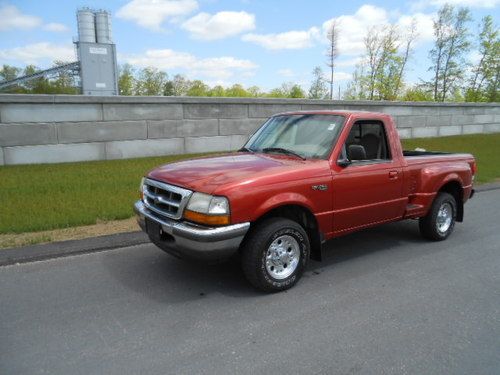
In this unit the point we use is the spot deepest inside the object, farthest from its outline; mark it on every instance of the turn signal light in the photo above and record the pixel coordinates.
(206, 219)
(474, 168)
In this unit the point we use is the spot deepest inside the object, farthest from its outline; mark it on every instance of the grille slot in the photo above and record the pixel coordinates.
(164, 199)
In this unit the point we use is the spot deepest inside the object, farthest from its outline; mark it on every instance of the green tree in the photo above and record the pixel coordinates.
(276, 93)
(179, 85)
(150, 82)
(417, 94)
(64, 82)
(451, 45)
(168, 88)
(380, 74)
(287, 90)
(384, 62)
(255, 91)
(8, 72)
(483, 85)
(296, 92)
(237, 91)
(281, 92)
(39, 85)
(318, 89)
(126, 80)
(217, 91)
(358, 88)
(198, 88)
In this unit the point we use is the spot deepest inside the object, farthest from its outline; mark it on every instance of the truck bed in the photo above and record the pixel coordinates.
(410, 153)
(415, 157)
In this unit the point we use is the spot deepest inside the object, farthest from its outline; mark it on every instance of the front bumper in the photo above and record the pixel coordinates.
(186, 240)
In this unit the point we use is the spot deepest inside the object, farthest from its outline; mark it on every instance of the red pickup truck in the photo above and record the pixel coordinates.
(301, 179)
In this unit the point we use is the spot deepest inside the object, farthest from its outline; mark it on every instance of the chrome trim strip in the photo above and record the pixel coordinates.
(157, 210)
(161, 199)
(165, 186)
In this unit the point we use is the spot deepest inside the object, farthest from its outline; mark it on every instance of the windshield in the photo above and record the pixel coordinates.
(307, 135)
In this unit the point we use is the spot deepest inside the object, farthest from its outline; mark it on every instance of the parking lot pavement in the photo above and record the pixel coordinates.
(383, 301)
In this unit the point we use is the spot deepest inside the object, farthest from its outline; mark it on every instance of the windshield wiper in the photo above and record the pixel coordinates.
(283, 151)
(246, 149)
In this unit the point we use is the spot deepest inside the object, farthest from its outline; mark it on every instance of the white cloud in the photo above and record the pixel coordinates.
(220, 25)
(348, 62)
(38, 52)
(12, 18)
(424, 25)
(286, 73)
(220, 68)
(341, 76)
(152, 13)
(287, 40)
(56, 27)
(474, 57)
(353, 28)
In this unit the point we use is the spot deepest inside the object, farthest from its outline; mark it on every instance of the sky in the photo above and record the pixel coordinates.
(252, 42)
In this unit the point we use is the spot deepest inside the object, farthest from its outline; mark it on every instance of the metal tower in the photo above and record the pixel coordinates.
(96, 52)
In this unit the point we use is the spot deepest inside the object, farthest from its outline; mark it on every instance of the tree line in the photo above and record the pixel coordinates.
(379, 75)
(453, 76)
(148, 81)
(152, 81)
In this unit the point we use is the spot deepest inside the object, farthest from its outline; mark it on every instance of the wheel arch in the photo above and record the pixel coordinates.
(454, 187)
(304, 217)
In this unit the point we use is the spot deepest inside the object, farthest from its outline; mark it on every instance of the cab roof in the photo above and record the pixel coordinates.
(339, 112)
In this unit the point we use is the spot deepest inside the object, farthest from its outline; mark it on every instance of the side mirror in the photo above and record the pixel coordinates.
(343, 163)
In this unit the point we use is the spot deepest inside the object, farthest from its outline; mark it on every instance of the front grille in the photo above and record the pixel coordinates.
(164, 199)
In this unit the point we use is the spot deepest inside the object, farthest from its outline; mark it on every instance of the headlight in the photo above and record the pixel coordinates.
(207, 209)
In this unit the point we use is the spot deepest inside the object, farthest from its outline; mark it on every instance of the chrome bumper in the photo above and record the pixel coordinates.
(186, 240)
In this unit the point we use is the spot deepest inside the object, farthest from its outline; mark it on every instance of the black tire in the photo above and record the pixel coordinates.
(429, 226)
(256, 249)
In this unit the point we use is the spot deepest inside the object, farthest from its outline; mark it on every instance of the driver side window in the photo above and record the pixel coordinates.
(367, 140)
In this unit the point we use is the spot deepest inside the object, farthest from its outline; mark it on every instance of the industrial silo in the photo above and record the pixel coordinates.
(103, 27)
(86, 26)
(96, 53)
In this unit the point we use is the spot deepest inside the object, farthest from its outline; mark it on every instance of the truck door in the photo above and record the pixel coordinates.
(369, 189)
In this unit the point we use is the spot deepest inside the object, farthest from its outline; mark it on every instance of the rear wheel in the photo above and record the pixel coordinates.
(275, 254)
(440, 221)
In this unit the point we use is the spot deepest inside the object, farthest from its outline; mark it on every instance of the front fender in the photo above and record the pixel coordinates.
(283, 199)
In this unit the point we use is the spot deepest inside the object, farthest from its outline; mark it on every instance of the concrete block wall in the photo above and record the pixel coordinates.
(63, 128)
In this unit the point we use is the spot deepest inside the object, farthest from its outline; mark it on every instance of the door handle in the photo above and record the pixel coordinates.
(393, 175)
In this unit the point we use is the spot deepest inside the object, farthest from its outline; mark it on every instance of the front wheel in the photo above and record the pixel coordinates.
(275, 254)
(440, 221)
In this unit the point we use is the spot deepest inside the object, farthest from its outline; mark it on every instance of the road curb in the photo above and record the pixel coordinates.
(102, 243)
(72, 247)
(488, 187)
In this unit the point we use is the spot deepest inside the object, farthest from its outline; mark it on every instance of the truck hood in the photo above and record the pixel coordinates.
(209, 173)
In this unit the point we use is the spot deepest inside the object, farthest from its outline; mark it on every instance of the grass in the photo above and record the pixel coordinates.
(484, 147)
(50, 196)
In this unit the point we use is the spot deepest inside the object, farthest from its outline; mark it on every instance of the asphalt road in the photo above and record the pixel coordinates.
(383, 302)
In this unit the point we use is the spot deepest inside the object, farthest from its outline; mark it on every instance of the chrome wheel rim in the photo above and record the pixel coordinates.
(444, 218)
(282, 257)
